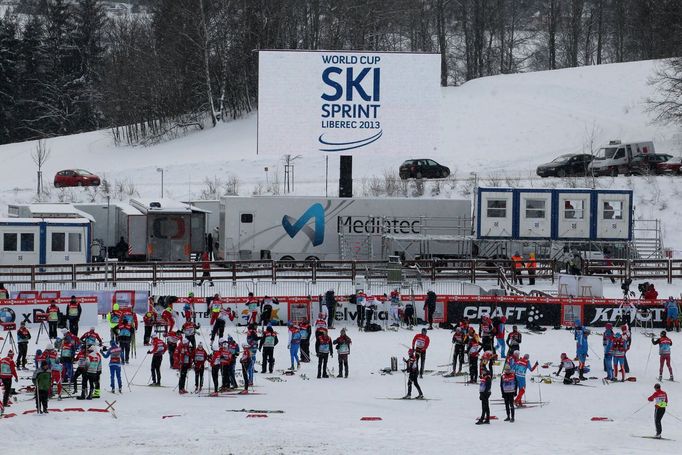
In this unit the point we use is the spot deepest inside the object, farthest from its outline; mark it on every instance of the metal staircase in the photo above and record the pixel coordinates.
(648, 239)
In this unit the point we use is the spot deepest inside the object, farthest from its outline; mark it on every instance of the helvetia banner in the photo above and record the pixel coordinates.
(348, 102)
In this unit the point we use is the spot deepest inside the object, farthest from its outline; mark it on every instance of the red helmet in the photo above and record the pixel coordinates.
(503, 319)
(624, 328)
(563, 355)
(609, 325)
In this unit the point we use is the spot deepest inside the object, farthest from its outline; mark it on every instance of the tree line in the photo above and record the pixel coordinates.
(67, 67)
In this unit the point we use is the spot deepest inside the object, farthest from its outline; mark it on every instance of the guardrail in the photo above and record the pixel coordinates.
(471, 270)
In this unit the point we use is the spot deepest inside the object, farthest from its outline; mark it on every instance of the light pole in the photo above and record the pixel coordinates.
(106, 242)
(473, 215)
(160, 169)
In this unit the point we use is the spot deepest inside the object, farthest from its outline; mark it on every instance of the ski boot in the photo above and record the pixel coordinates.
(183, 391)
(89, 397)
(512, 420)
(407, 397)
(113, 390)
(508, 419)
(419, 397)
(582, 376)
(96, 394)
(671, 378)
(660, 377)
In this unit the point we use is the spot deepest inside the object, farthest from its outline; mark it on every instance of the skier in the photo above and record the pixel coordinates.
(93, 372)
(569, 367)
(233, 348)
(252, 307)
(607, 342)
(199, 355)
(167, 318)
(320, 323)
(23, 337)
(52, 319)
(73, 314)
(149, 320)
(458, 339)
(413, 374)
(420, 343)
(125, 334)
(664, 344)
(189, 329)
(66, 356)
(508, 386)
(672, 315)
(430, 307)
(215, 305)
(43, 382)
(580, 334)
(627, 338)
(157, 351)
(205, 269)
(343, 343)
(294, 345)
(215, 361)
(484, 392)
(172, 339)
(252, 339)
(245, 361)
(323, 349)
(223, 315)
(81, 360)
(7, 370)
(618, 350)
(306, 331)
(115, 356)
(660, 398)
(514, 339)
(473, 349)
(267, 344)
(90, 338)
(521, 366)
(330, 302)
(227, 359)
(396, 304)
(409, 314)
(266, 311)
(184, 354)
(499, 336)
(485, 331)
(360, 300)
(114, 318)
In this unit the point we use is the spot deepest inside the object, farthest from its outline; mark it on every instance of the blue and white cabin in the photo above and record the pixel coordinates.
(574, 215)
(535, 208)
(40, 241)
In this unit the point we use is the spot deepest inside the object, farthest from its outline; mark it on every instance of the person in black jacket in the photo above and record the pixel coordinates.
(267, 344)
(330, 302)
(484, 393)
(412, 370)
(266, 310)
(508, 386)
(430, 307)
(73, 314)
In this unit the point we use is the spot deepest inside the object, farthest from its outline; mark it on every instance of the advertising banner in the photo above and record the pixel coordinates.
(347, 102)
(25, 310)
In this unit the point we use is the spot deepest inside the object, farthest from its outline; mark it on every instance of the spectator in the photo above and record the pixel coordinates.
(651, 293)
(121, 250)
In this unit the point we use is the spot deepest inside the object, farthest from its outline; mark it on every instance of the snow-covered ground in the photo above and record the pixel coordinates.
(323, 415)
(499, 128)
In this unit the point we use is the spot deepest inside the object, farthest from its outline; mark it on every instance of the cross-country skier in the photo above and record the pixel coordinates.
(664, 344)
(81, 360)
(172, 340)
(420, 343)
(245, 361)
(189, 330)
(93, 372)
(252, 340)
(569, 367)
(320, 323)
(113, 318)
(580, 334)
(499, 336)
(294, 345)
(233, 348)
(485, 385)
(215, 361)
(73, 314)
(199, 355)
(43, 382)
(508, 386)
(672, 314)
(409, 314)
(252, 307)
(514, 339)
(52, 319)
(23, 337)
(396, 304)
(627, 338)
(115, 356)
(266, 310)
(223, 315)
(125, 335)
(157, 351)
(430, 307)
(607, 341)
(184, 355)
(660, 399)
(90, 338)
(267, 344)
(618, 350)
(8, 370)
(306, 332)
(485, 331)
(343, 343)
(521, 366)
(473, 349)
(413, 374)
(167, 317)
(458, 339)
(149, 320)
(323, 349)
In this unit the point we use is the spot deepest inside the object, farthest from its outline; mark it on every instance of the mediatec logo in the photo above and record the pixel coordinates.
(293, 226)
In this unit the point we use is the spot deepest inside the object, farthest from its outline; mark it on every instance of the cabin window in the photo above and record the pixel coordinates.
(535, 208)
(247, 217)
(58, 241)
(74, 242)
(574, 209)
(9, 242)
(613, 210)
(27, 242)
(497, 208)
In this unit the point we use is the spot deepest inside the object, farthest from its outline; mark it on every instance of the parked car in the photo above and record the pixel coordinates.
(566, 165)
(75, 177)
(672, 166)
(423, 168)
(616, 157)
(647, 164)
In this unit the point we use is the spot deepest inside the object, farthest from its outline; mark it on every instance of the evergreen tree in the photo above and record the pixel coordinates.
(9, 47)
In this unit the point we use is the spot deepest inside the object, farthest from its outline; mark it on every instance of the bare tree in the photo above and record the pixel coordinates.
(667, 105)
(40, 155)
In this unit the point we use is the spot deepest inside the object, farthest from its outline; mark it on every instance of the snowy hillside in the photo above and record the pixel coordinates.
(498, 127)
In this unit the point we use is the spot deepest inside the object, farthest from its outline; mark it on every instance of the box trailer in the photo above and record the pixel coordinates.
(306, 228)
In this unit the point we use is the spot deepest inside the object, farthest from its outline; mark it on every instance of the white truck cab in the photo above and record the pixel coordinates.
(616, 157)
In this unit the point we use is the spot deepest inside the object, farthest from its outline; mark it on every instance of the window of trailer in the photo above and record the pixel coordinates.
(58, 241)
(613, 210)
(535, 208)
(574, 209)
(27, 242)
(75, 242)
(9, 242)
(497, 208)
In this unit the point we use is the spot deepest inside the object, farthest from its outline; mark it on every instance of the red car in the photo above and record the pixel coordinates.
(75, 177)
(672, 166)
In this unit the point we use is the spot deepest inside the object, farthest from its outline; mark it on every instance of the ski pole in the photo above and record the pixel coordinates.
(126, 376)
(674, 416)
(595, 353)
(540, 392)
(648, 358)
(138, 369)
